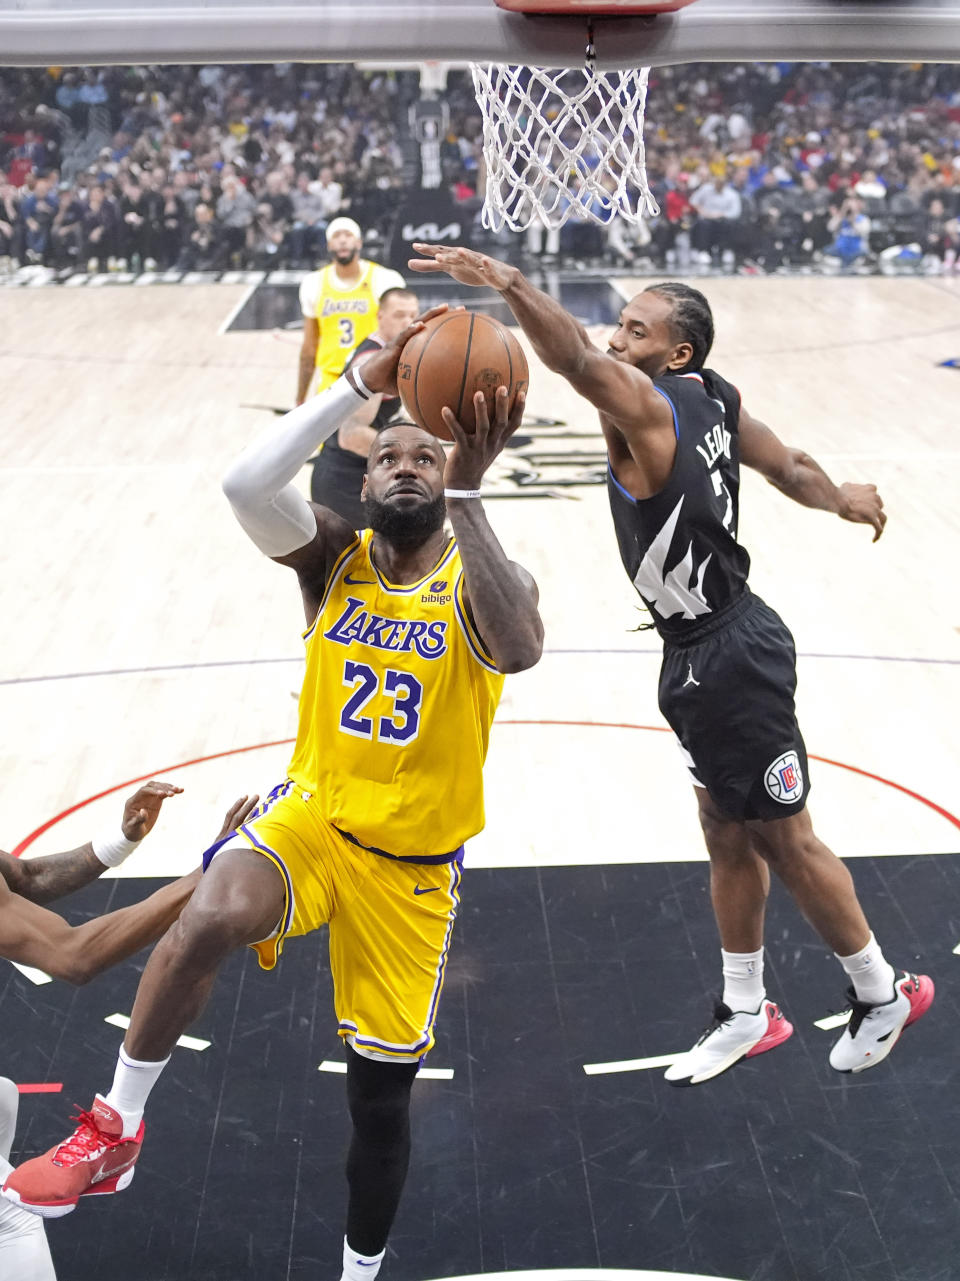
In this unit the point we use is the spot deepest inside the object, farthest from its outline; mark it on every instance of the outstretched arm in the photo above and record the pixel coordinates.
(501, 595)
(802, 478)
(51, 876)
(33, 935)
(618, 390)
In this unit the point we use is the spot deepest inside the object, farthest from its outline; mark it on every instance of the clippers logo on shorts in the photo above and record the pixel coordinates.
(784, 779)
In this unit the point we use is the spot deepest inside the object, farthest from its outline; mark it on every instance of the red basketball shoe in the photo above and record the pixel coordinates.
(94, 1161)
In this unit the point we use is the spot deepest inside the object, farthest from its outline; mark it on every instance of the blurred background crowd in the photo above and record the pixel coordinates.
(756, 168)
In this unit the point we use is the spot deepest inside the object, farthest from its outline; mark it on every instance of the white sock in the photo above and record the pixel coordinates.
(871, 974)
(132, 1083)
(743, 980)
(360, 1267)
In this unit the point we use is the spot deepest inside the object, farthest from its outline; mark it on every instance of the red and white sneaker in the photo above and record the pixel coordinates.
(874, 1030)
(94, 1161)
(733, 1035)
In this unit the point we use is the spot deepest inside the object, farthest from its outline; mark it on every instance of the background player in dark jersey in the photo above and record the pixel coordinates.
(676, 434)
(341, 464)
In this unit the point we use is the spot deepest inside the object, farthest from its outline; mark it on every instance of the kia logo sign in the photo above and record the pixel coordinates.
(430, 232)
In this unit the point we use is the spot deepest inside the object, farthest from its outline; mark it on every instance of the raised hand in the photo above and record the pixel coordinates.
(237, 815)
(465, 265)
(863, 505)
(473, 452)
(142, 809)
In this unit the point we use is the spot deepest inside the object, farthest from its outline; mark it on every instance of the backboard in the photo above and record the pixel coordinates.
(41, 32)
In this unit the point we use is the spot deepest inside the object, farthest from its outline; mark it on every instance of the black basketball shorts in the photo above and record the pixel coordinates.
(728, 695)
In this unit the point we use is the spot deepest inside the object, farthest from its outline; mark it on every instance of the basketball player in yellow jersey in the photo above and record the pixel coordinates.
(339, 305)
(409, 633)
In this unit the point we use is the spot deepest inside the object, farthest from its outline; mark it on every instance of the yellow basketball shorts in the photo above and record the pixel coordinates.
(390, 920)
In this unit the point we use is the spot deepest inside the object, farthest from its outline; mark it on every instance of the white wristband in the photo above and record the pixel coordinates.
(112, 848)
(361, 387)
(461, 493)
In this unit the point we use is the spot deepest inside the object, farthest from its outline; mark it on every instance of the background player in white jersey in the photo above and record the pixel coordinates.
(409, 634)
(339, 306)
(675, 435)
(32, 935)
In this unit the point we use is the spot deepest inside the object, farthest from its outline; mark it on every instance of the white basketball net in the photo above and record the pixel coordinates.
(562, 143)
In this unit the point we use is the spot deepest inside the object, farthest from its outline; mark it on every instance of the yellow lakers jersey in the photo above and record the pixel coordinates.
(345, 317)
(396, 707)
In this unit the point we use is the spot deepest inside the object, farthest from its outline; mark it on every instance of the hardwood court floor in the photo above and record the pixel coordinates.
(143, 631)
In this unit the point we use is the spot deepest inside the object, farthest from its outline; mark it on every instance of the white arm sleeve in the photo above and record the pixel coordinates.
(274, 513)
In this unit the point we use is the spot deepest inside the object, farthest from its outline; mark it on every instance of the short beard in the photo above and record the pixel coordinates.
(409, 527)
(346, 256)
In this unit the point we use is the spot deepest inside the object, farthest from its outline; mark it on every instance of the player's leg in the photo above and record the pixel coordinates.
(739, 877)
(818, 882)
(240, 900)
(378, 1095)
(883, 1001)
(24, 1253)
(9, 1107)
(389, 943)
(744, 1022)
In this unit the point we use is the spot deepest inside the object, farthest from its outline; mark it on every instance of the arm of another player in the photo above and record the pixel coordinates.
(53, 875)
(308, 356)
(33, 935)
(801, 478)
(620, 391)
(309, 294)
(501, 595)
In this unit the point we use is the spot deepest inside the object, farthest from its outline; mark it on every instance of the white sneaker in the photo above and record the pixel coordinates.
(732, 1036)
(873, 1030)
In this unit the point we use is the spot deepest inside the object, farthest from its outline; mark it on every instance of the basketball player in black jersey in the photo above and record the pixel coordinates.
(339, 468)
(676, 434)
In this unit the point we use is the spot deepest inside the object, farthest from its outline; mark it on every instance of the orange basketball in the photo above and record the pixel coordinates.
(452, 358)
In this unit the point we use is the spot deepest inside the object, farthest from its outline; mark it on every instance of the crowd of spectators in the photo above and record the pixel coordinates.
(755, 167)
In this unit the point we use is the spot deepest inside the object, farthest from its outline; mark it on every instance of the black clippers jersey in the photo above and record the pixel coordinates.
(680, 546)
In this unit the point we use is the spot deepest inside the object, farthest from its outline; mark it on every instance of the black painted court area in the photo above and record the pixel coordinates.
(592, 300)
(781, 1170)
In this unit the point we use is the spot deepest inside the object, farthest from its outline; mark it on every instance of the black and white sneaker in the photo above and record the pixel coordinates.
(732, 1035)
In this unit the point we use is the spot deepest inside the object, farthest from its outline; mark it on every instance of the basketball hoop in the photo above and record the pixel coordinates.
(563, 143)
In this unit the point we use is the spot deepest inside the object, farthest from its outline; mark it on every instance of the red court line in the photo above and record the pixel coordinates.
(41, 1087)
(141, 778)
(280, 742)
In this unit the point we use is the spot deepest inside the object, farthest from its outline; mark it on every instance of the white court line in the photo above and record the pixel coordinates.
(956, 950)
(630, 1065)
(664, 1060)
(28, 972)
(832, 1021)
(433, 1074)
(585, 1274)
(235, 311)
(188, 1042)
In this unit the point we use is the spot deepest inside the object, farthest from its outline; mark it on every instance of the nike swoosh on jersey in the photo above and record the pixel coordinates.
(429, 889)
(357, 582)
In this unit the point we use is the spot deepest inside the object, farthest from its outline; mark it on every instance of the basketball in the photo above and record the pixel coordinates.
(452, 358)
